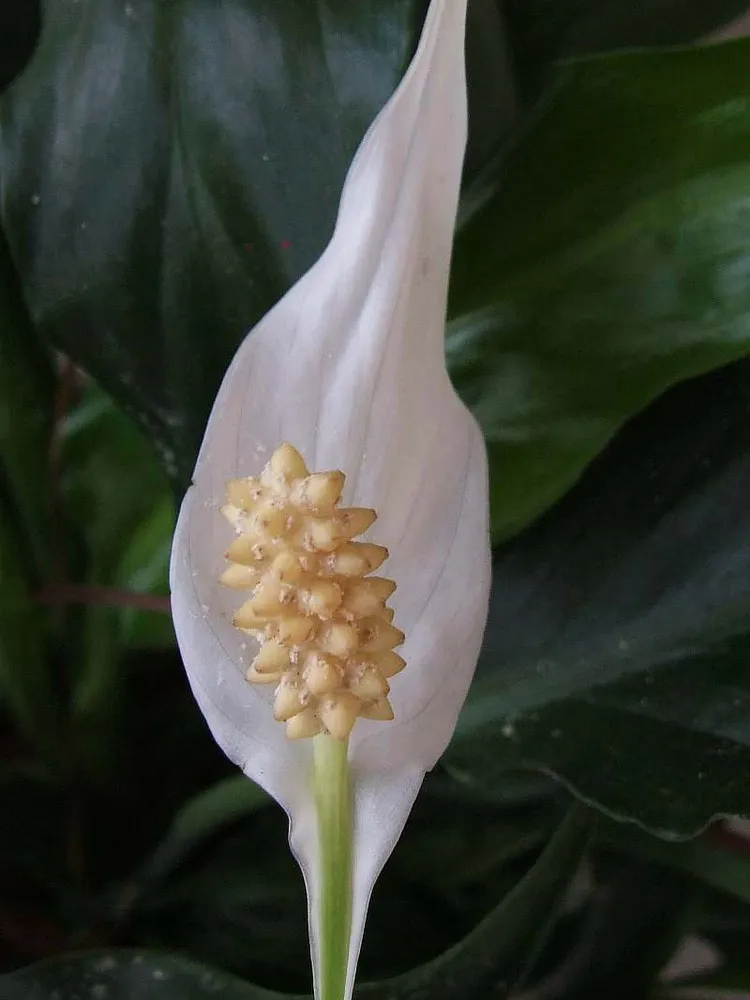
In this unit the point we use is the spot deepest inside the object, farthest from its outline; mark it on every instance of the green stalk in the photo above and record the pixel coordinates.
(333, 802)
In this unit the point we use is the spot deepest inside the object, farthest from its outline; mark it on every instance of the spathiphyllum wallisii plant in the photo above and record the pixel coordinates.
(337, 445)
(183, 183)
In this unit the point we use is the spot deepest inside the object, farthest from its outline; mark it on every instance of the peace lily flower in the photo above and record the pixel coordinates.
(336, 445)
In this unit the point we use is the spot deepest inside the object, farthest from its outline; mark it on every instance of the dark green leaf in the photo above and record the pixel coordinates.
(203, 817)
(705, 858)
(641, 259)
(617, 647)
(32, 845)
(27, 545)
(632, 924)
(240, 906)
(466, 971)
(491, 84)
(26, 684)
(112, 486)
(127, 975)
(610, 261)
(164, 752)
(434, 891)
(27, 399)
(114, 492)
(223, 878)
(543, 31)
(144, 569)
(432, 853)
(492, 951)
(224, 132)
(731, 980)
(19, 28)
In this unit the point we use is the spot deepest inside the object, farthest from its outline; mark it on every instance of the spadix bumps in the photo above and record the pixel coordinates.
(326, 635)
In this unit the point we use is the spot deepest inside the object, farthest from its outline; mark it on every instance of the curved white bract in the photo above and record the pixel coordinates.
(349, 367)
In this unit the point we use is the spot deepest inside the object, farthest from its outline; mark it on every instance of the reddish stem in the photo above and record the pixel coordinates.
(101, 596)
(66, 384)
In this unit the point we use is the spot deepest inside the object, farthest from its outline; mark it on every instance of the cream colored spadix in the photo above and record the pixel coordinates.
(291, 526)
(349, 367)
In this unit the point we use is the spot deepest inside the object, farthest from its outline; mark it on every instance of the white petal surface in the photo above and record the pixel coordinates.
(349, 367)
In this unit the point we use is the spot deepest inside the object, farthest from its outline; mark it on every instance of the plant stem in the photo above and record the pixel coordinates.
(100, 595)
(333, 802)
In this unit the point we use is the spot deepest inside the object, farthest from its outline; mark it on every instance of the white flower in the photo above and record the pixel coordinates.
(349, 367)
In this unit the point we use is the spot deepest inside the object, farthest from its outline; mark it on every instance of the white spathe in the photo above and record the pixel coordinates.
(349, 367)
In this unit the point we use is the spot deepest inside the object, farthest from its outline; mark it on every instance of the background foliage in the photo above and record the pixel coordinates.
(166, 172)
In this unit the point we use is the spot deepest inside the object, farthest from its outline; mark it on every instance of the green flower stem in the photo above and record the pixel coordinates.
(333, 802)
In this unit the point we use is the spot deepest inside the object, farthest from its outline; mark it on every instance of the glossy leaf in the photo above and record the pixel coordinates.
(19, 29)
(434, 892)
(705, 858)
(27, 550)
(544, 31)
(112, 482)
(237, 901)
(112, 487)
(128, 975)
(224, 133)
(465, 972)
(631, 926)
(492, 91)
(33, 845)
(27, 400)
(203, 817)
(641, 259)
(490, 955)
(609, 262)
(119, 500)
(25, 681)
(144, 569)
(616, 651)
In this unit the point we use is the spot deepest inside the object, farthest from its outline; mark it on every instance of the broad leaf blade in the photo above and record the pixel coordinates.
(32, 847)
(574, 304)
(128, 975)
(608, 262)
(544, 31)
(27, 400)
(631, 927)
(224, 132)
(237, 901)
(492, 91)
(144, 569)
(492, 952)
(705, 859)
(28, 548)
(616, 651)
(26, 683)
(19, 29)
(113, 486)
(202, 817)
(466, 971)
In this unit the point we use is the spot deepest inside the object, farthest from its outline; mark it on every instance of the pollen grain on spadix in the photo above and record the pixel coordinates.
(325, 631)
